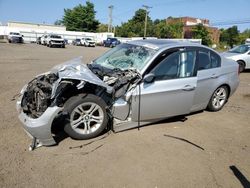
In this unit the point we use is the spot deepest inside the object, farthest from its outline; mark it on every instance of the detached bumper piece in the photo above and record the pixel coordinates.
(34, 144)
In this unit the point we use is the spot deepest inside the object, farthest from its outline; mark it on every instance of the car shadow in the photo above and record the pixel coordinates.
(180, 118)
(57, 130)
(246, 71)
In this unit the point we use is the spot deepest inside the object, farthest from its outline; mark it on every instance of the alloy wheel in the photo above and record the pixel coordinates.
(86, 118)
(219, 97)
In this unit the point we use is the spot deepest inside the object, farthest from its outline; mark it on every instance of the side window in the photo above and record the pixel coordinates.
(176, 65)
(204, 60)
(215, 60)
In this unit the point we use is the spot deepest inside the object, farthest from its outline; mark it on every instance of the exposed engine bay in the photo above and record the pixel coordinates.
(37, 96)
(67, 80)
(119, 79)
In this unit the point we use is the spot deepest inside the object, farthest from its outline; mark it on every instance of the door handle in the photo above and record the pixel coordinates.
(214, 76)
(188, 88)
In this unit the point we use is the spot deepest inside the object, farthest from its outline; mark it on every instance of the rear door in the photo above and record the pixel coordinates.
(208, 71)
(172, 91)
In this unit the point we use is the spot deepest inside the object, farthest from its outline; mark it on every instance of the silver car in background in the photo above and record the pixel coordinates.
(241, 54)
(133, 84)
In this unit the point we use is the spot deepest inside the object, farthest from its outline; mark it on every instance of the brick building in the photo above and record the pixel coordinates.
(189, 23)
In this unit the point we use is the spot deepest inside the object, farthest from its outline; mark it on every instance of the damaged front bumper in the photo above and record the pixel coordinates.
(39, 128)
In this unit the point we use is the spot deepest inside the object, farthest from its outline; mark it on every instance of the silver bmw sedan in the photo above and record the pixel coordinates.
(133, 84)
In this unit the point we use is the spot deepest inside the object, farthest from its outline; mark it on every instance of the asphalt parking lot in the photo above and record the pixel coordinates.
(214, 149)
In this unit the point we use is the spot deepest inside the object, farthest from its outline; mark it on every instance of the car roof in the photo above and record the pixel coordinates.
(163, 43)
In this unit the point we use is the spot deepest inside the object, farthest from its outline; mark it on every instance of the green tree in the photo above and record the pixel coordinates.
(230, 36)
(175, 30)
(244, 35)
(81, 18)
(161, 29)
(58, 22)
(164, 30)
(102, 28)
(201, 32)
(135, 26)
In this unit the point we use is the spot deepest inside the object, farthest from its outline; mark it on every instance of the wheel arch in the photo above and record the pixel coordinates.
(74, 92)
(241, 60)
(228, 87)
(244, 64)
(208, 107)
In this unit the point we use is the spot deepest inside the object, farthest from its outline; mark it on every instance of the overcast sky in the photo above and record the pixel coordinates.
(47, 11)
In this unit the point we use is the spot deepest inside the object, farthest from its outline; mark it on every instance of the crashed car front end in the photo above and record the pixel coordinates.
(42, 100)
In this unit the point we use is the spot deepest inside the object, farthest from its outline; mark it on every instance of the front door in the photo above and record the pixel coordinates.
(172, 91)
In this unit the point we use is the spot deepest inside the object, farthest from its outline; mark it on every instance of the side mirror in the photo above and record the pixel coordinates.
(149, 78)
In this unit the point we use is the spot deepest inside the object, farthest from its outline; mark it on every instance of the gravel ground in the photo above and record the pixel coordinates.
(218, 155)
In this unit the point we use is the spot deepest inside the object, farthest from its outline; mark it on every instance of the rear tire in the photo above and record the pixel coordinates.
(242, 65)
(218, 99)
(87, 116)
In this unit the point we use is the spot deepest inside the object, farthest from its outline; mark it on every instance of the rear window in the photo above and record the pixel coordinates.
(55, 36)
(13, 33)
(215, 60)
(89, 39)
(208, 59)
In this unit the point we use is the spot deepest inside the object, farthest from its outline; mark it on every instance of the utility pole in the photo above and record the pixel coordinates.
(110, 18)
(146, 19)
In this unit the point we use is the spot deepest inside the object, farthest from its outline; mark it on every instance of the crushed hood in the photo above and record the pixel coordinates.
(76, 70)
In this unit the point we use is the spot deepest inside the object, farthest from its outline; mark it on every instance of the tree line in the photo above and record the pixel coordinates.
(82, 18)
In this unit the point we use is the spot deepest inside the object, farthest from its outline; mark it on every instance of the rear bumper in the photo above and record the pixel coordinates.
(39, 128)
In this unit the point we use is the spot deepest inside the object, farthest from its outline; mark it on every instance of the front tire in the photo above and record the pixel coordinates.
(87, 116)
(218, 99)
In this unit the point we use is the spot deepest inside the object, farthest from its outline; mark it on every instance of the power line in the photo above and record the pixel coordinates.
(230, 22)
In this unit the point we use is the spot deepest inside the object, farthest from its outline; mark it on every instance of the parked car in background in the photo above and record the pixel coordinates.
(77, 42)
(38, 40)
(247, 41)
(241, 54)
(44, 39)
(66, 42)
(111, 42)
(15, 37)
(87, 41)
(55, 40)
(134, 84)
